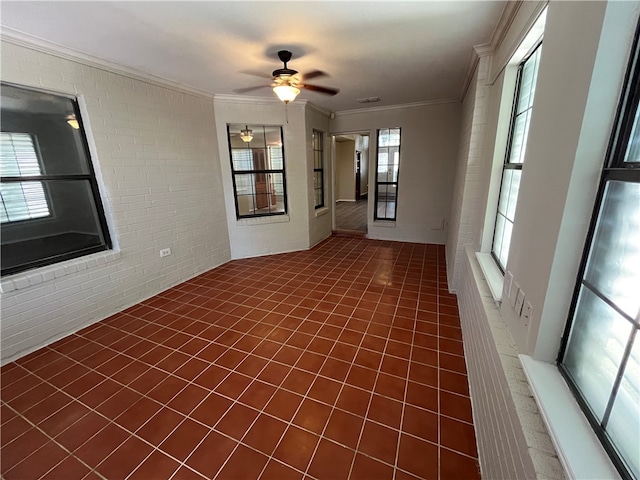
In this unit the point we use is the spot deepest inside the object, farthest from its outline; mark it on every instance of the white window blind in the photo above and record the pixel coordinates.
(22, 200)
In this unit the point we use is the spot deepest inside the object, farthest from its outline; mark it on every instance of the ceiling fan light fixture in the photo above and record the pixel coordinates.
(246, 135)
(71, 120)
(286, 93)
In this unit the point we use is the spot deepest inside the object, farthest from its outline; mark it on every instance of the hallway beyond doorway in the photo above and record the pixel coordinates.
(352, 215)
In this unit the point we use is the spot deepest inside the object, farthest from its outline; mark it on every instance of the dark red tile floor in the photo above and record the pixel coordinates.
(344, 361)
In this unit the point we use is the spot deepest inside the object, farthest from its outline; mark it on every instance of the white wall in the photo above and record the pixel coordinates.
(345, 170)
(250, 237)
(161, 186)
(427, 159)
(464, 195)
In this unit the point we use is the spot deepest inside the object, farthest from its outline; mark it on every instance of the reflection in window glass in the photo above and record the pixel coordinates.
(257, 165)
(50, 208)
(597, 328)
(621, 428)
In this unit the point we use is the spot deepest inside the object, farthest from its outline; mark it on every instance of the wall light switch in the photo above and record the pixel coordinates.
(519, 302)
(508, 282)
(513, 294)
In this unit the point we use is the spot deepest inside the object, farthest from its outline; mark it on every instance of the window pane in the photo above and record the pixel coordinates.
(633, 149)
(42, 239)
(594, 351)
(506, 243)
(387, 168)
(18, 157)
(257, 193)
(272, 137)
(394, 137)
(512, 198)
(44, 116)
(394, 155)
(519, 138)
(23, 201)
(506, 214)
(275, 158)
(505, 186)
(497, 238)
(260, 193)
(383, 137)
(614, 262)
(528, 82)
(242, 159)
(624, 423)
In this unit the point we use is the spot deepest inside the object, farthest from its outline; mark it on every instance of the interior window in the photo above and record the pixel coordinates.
(51, 209)
(257, 166)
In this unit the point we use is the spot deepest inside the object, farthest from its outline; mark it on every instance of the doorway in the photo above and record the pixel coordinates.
(351, 181)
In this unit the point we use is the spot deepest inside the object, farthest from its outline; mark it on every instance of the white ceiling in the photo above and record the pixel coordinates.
(403, 52)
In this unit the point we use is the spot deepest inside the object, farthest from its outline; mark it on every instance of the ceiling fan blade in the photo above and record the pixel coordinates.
(256, 73)
(325, 90)
(249, 89)
(314, 74)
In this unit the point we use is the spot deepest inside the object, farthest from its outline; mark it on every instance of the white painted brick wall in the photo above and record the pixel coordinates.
(513, 442)
(466, 215)
(157, 154)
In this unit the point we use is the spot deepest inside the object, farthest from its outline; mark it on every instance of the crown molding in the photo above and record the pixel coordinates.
(231, 98)
(318, 108)
(401, 106)
(504, 23)
(32, 42)
(507, 16)
(271, 100)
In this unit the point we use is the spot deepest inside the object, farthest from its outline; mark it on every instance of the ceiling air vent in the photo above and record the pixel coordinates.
(369, 100)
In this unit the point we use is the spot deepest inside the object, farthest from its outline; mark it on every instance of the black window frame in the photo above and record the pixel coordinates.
(615, 169)
(317, 145)
(507, 164)
(89, 177)
(235, 172)
(378, 183)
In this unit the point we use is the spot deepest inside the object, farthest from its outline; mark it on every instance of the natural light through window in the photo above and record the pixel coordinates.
(22, 200)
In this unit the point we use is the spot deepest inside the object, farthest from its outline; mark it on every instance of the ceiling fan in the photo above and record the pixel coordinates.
(288, 82)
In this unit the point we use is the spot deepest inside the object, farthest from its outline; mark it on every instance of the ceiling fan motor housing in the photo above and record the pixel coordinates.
(284, 56)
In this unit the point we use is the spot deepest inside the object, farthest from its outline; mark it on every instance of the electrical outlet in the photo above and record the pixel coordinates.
(165, 252)
(527, 313)
(519, 302)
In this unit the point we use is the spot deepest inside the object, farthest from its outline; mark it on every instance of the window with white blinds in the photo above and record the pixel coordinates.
(22, 200)
(50, 205)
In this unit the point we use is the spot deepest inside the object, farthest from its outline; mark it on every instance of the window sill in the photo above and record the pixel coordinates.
(22, 280)
(385, 223)
(492, 274)
(262, 220)
(579, 450)
(321, 211)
